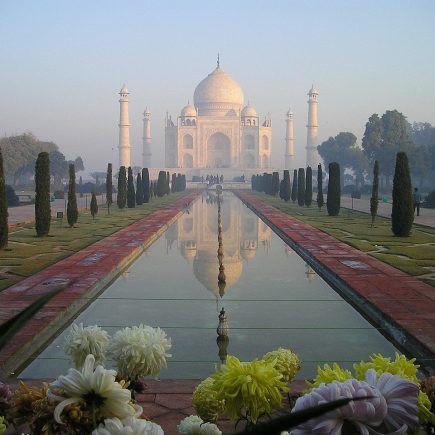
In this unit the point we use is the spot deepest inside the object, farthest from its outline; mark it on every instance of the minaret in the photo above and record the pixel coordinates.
(289, 142)
(312, 155)
(146, 155)
(124, 129)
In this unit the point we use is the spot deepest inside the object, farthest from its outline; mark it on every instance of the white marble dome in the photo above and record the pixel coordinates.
(188, 111)
(218, 94)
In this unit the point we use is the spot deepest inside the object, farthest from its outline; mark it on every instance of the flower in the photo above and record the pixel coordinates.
(193, 425)
(5, 397)
(358, 415)
(401, 397)
(330, 374)
(286, 362)
(130, 426)
(2, 425)
(80, 342)
(251, 386)
(140, 351)
(96, 388)
(205, 401)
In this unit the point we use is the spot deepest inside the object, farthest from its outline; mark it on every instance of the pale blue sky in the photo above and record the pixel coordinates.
(62, 64)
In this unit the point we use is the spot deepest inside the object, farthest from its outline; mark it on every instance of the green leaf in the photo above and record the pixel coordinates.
(13, 325)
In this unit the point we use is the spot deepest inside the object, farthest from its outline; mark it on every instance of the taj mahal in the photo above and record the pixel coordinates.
(218, 131)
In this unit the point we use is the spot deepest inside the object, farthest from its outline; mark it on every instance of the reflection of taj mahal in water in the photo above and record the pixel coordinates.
(243, 233)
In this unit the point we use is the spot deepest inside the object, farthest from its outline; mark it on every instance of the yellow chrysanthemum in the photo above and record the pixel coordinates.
(401, 366)
(2, 425)
(252, 387)
(205, 401)
(330, 374)
(285, 361)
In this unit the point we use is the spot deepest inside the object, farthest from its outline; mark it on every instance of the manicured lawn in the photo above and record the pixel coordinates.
(27, 254)
(414, 255)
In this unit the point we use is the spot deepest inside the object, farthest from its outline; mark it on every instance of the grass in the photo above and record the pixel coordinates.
(27, 254)
(414, 255)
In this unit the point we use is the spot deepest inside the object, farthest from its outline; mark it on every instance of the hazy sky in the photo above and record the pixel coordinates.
(62, 64)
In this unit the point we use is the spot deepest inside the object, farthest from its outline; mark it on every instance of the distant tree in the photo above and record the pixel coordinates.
(131, 195)
(151, 190)
(58, 168)
(136, 170)
(146, 185)
(109, 187)
(42, 197)
(78, 164)
(121, 198)
(319, 187)
(3, 207)
(402, 214)
(183, 182)
(161, 184)
(139, 189)
(275, 183)
(301, 186)
(384, 137)
(309, 187)
(294, 194)
(334, 192)
(281, 189)
(12, 199)
(97, 176)
(72, 212)
(287, 187)
(374, 200)
(155, 189)
(174, 183)
(94, 205)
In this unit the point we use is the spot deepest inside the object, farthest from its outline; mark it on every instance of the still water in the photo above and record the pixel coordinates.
(272, 298)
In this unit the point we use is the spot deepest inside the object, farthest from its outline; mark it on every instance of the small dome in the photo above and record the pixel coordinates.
(147, 112)
(188, 110)
(218, 93)
(249, 111)
(289, 113)
(124, 90)
(313, 90)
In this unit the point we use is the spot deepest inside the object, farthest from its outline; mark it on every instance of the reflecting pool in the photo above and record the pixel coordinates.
(272, 298)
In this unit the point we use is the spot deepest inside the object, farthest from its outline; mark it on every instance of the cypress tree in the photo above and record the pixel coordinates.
(334, 191)
(94, 205)
(275, 183)
(139, 190)
(402, 214)
(146, 185)
(374, 200)
(72, 212)
(309, 187)
(121, 199)
(3, 208)
(281, 189)
(183, 182)
(174, 183)
(155, 189)
(301, 186)
(109, 189)
(131, 195)
(151, 190)
(42, 198)
(168, 188)
(294, 194)
(161, 184)
(319, 187)
(287, 186)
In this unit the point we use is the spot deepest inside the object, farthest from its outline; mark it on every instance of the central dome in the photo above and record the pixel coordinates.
(218, 94)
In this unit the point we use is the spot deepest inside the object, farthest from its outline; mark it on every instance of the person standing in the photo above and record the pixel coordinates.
(416, 197)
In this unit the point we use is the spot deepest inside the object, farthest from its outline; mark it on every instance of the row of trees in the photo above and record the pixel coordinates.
(383, 138)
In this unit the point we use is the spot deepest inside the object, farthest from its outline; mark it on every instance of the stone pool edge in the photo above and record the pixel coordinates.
(402, 330)
(79, 291)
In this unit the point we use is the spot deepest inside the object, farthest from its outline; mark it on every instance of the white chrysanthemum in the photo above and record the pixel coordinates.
(97, 388)
(193, 425)
(140, 351)
(130, 426)
(82, 341)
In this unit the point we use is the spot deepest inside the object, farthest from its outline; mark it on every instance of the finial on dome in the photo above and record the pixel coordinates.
(218, 61)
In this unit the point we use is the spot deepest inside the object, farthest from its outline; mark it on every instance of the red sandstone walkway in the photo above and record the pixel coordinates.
(401, 300)
(84, 275)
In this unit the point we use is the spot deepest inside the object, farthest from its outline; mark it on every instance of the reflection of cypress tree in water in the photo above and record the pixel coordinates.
(223, 339)
(221, 276)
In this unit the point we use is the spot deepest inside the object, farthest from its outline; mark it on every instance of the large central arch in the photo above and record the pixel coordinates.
(218, 151)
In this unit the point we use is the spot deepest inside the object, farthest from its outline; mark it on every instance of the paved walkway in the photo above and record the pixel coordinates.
(400, 304)
(427, 215)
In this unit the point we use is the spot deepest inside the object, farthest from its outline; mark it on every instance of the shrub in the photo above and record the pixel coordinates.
(59, 194)
(42, 197)
(72, 212)
(402, 213)
(11, 197)
(309, 187)
(334, 193)
(121, 199)
(3, 208)
(301, 186)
